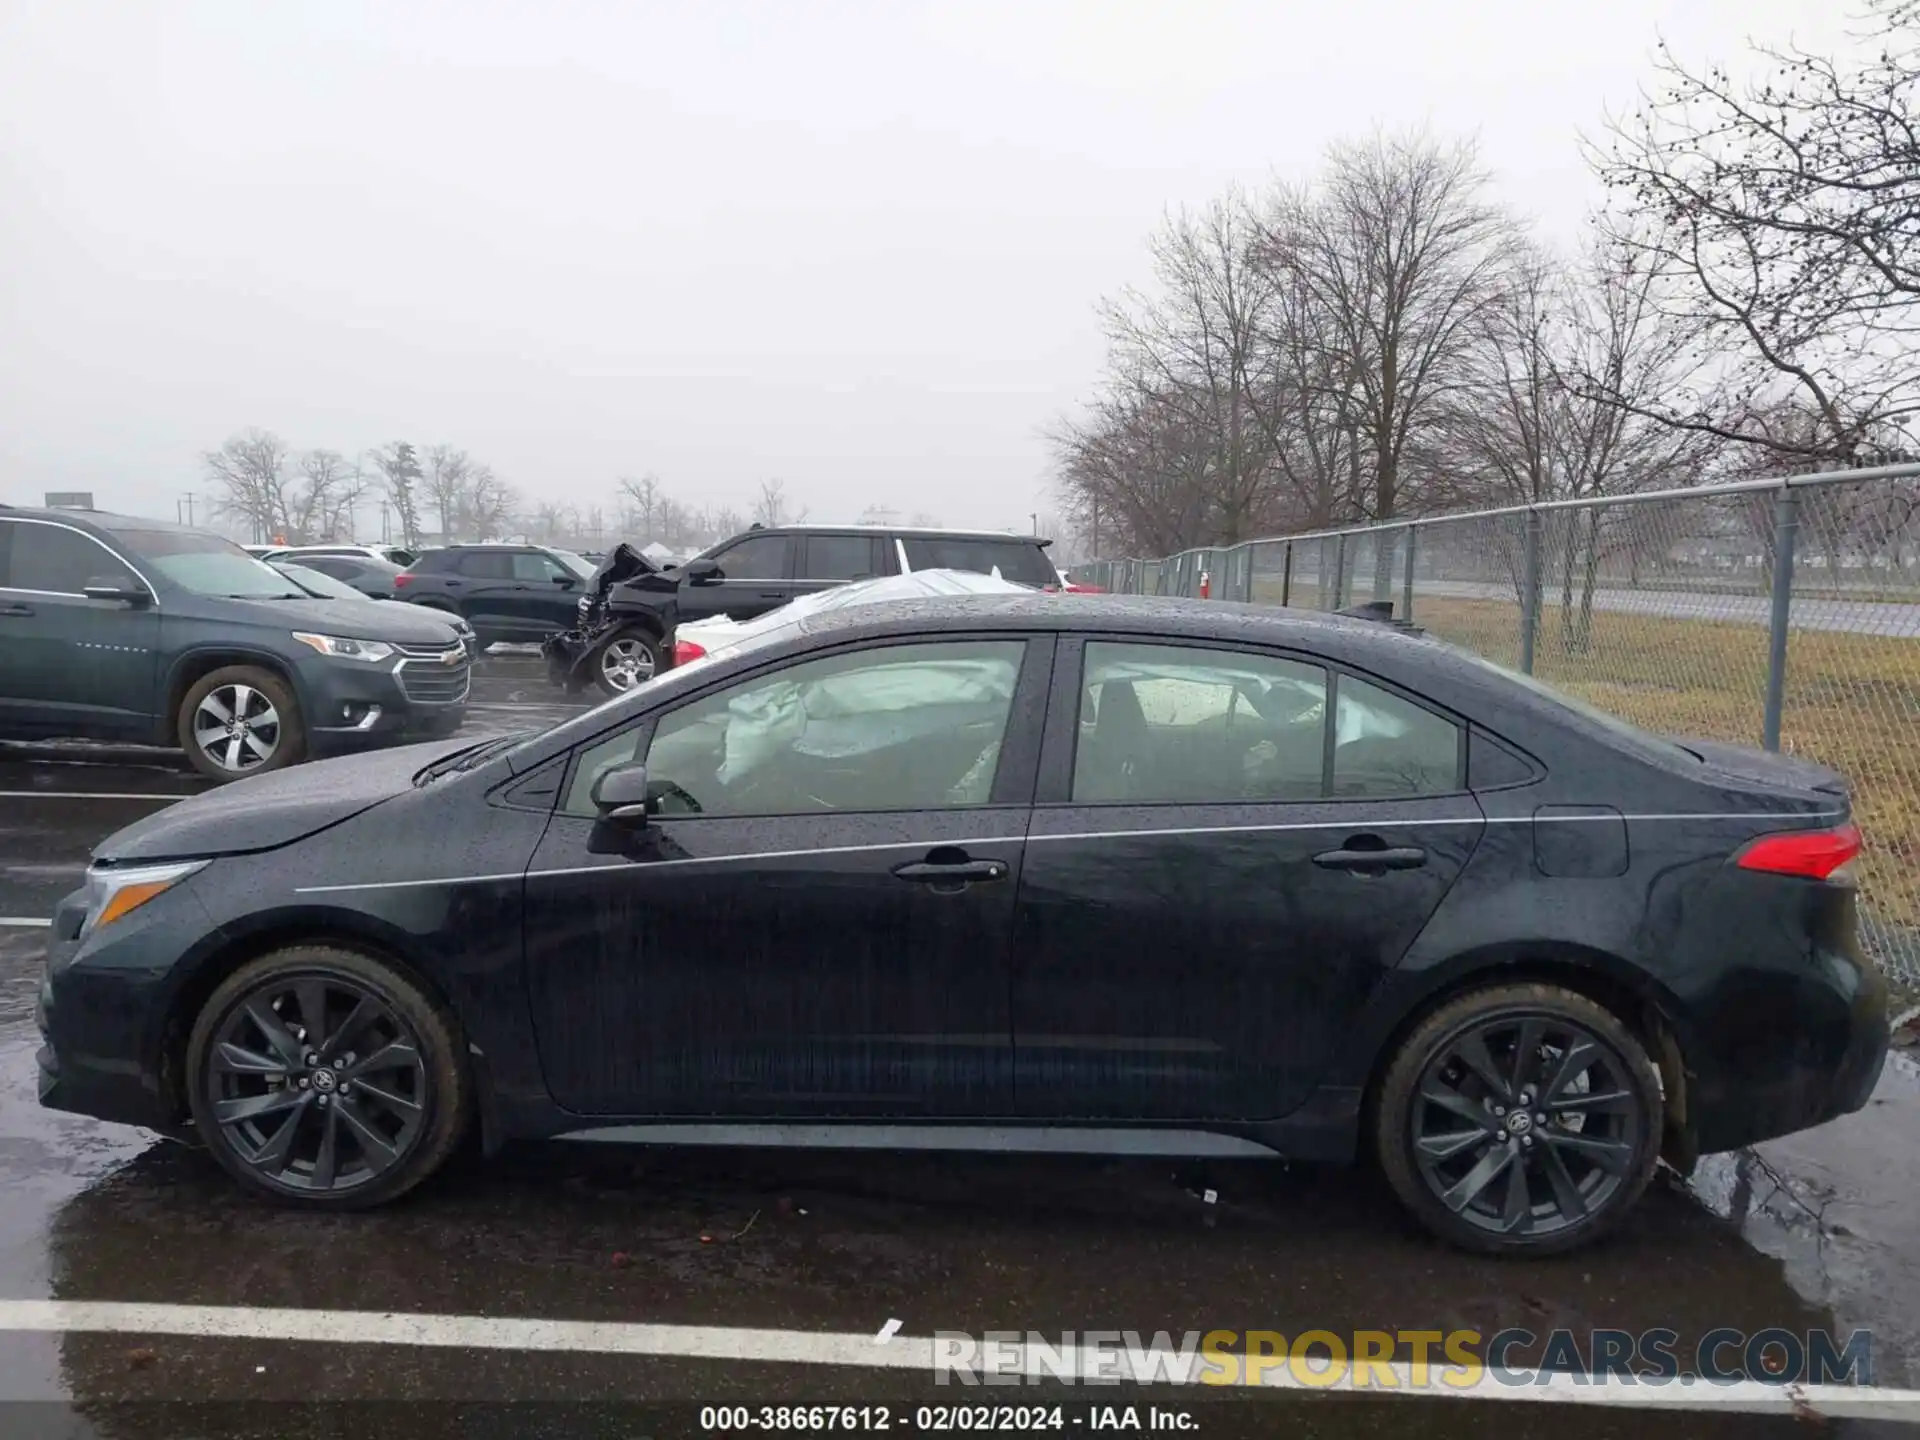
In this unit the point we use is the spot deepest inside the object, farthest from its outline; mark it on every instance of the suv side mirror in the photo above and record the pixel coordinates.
(117, 587)
(702, 572)
(565, 582)
(620, 795)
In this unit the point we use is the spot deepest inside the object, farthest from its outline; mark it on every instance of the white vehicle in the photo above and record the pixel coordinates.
(393, 554)
(699, 639)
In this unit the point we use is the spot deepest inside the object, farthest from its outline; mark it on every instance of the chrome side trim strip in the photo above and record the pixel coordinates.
(1344, 824)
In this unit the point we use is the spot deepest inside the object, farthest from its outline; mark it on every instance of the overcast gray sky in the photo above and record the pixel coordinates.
(851, 243)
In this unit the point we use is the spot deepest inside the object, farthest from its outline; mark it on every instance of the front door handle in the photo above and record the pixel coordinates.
(1364, 859)
(15, 608)
(950, 877)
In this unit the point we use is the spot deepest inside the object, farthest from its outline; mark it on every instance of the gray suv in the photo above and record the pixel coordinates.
(121, 629)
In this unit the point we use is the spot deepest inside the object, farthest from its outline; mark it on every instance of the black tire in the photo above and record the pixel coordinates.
(196, 726)
(404, 1016)
(1581, 1169)
(628, 639)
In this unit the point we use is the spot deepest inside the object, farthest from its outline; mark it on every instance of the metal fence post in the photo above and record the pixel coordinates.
(1406, 594)
(1530, 596)
(1339, 572)
(1786, 532)
(1286, 576)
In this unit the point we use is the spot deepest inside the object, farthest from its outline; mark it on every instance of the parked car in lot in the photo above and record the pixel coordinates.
(515, 593)
(1100, 873)
(398, 556)
(117, 628)
(624, 630)
(366, 575)
(323, 586)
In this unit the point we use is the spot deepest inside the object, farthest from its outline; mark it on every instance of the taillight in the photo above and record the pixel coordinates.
(685, 650)
(1810, 854)
(402, 580)
(1078, 589)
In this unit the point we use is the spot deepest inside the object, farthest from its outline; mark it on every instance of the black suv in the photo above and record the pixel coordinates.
(116, 628)
(517, 593)
(623, 636)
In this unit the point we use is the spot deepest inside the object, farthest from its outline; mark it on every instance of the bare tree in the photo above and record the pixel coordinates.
(1195, 344)
(446, 479)
(248, 475)
(645, 495)
(399, 469)
(1403, 255)
(488, 503)
(1779, 218)
(321, 506)
(772, 507)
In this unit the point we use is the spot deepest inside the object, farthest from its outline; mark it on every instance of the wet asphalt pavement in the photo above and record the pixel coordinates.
(1819, 1231)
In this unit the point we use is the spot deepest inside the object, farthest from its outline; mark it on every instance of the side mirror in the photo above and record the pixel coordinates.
(621, 795)
(702, 572)
(117, 587)
(565, 582)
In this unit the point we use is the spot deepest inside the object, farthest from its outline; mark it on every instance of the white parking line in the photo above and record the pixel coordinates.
(805, 1347)
(23, 922)
(88, 795)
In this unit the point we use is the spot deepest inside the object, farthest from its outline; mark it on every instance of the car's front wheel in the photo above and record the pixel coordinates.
(1520, 1119)
(240, 720)
(625, 659)
(326, 1078)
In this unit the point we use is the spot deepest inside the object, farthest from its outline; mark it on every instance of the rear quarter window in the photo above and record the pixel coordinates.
(1015, 559)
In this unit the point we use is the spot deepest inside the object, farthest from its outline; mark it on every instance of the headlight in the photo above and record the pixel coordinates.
(114, 892)
(343, 648)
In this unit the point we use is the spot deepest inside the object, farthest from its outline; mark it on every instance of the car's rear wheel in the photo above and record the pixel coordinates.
(325, 1078)
(1520, 1119)
(240, 720)
(625, 659)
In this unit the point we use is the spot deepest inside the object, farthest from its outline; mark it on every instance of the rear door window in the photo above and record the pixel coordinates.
(57, 560)
(1179, 724)
(1012, 559)
(487, 565)
(840, 557)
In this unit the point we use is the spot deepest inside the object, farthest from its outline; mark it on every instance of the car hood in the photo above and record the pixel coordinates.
(273, 810)
(392, 621)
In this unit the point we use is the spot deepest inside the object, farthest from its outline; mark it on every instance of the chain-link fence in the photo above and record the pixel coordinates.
(1783, 613)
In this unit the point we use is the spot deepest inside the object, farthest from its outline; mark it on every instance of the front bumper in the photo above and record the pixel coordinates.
(101, 1054)
(422, 696)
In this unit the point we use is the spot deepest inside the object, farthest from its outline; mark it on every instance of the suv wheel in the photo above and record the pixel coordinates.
(325, 1078)
(624, 660)
(1520, 1119)
(240, 720)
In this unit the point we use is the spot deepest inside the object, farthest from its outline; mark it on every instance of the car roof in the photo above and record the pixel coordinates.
(106, 520)
(905, 532)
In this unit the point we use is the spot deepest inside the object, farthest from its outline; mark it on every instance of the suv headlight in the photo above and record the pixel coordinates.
(114, 892)
(343, 648)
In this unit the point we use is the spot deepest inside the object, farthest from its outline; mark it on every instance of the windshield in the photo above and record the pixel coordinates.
(1011, 558)
(209, 565)
(576, 563)
(1612, 724)
(314, 583)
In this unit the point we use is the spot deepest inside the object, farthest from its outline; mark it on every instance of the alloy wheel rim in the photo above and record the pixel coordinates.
(317, 1083)
(237, 728)
(1525, 1124)
(626, 663)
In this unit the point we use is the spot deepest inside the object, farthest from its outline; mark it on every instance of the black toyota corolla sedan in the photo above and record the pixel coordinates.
(1030, 872)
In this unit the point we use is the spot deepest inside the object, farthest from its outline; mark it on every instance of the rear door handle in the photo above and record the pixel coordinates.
(952, 876)
(15, 608)
(1364, 861)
